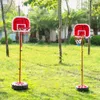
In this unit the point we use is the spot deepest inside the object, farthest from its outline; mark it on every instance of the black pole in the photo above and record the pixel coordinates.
(5, 31)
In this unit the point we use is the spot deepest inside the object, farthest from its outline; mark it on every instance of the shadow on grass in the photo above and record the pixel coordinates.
(21, 90)
(68, 95)
(88, 94)
(45, 94)
(43, 44)
(3, 95)
(67, 64)
(1, 80)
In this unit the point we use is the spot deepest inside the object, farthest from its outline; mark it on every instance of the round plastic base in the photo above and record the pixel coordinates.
(82, 88)
(19, 85)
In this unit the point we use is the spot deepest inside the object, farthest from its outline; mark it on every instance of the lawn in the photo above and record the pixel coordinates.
(46, 78)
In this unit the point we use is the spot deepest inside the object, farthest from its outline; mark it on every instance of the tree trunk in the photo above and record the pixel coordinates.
(95, 26)
(37, 35)
(90, 4)
(69, 26)
(95, 31)
(17, 37)
(60, 28)
(69, 33)
(65, 33)
(47, 35)
(4, 25)
(32, 35)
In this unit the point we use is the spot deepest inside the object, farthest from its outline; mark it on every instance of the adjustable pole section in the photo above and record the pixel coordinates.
(82, 62)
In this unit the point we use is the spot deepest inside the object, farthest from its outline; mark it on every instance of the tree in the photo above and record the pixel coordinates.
(43, 18)
(4, 25)
(69, 24)
(69, 18)
(60, 29)
(42, 22)
(95, 17)
(50, 4)
(94, 14)
(90, 4)
(5, 9)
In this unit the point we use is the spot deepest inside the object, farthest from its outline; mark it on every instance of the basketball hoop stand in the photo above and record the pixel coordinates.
(21, 25)
(20, 85)
(82, 87)
(81, 31)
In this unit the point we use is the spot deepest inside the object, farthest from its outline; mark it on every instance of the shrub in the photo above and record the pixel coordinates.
(95, 40)
(41, 42)
(33, 40)
(72, 40)
(4, 42)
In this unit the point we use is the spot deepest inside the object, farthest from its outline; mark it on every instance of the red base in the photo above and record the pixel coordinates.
(19, 85)
(82, 88)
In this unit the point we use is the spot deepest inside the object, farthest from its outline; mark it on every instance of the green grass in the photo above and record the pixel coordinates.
(47, 79)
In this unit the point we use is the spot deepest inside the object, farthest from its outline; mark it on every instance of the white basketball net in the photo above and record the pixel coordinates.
(25, 30)
(78, 41)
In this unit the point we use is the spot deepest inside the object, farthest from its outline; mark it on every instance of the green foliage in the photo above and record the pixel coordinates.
(1, 25)
(4, 42)
(41, 42)
(69, 19)
(10, 12)
(78, 16)
(43, 19)
(72, 40)
(95, 40)
(49, 4)
(33, 40)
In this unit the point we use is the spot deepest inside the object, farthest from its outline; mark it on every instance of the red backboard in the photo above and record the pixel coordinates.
(20, 24)
(82, 30)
